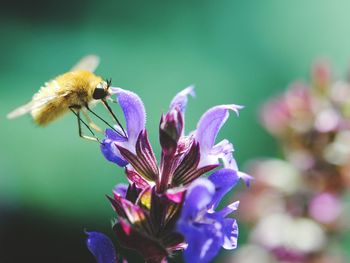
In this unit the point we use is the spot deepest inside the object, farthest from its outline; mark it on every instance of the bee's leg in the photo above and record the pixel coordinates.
(94, 138)
(104, 102)
(94, 113)
(91, 123)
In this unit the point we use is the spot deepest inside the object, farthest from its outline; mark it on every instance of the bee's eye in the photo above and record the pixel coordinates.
(99, 92)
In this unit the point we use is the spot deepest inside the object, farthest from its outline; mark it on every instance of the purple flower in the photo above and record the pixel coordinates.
(135, 117)
(148, 209)
(146, 222)
(101, 247)
(207, 129)
(206, 230)
(197, 151)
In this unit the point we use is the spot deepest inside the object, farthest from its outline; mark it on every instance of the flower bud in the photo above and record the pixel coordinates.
(170, 130)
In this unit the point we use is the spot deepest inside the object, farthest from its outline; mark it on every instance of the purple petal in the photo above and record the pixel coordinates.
(111, 153)
(224, 180)
(198, 197)
(121, 189)
(109, 149)
(112, 135)
(204, 242)
(205, 231)
(203, 237)
(228, 209)
(135, 117)
(230, 162)
(134, 113)
(246, 178)
(101, 247)
(180, 99)
(231, 233)
(210, 124)
(223, 150)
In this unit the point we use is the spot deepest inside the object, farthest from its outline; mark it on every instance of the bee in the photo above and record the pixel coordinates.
(77, 91)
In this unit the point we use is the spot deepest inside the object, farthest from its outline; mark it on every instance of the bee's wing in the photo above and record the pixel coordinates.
(88, 63)
(32, 105)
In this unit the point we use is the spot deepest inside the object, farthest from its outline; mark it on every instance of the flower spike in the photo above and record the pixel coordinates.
(167, 206)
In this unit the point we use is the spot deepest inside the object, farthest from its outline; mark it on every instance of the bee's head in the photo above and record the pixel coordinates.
(102, 90)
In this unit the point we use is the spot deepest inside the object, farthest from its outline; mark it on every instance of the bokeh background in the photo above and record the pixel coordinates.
(53, 184)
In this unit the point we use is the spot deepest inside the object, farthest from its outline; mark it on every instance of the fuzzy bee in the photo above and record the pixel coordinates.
(75, 91)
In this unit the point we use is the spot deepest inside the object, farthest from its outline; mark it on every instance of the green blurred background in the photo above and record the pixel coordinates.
(53, 184)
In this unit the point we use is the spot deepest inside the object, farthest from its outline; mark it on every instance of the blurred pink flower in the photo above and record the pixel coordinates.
(325, 208)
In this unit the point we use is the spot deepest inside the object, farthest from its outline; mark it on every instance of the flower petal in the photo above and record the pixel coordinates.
(206, 236)
(246, 178)
(176, 194)
(204, 242)
(198, 197)
(228, 209)
(112, 135)
(203, 239)
(180, 99)
(126, 209)
(231, 233)
(205, 230)
(187, 171)
(109, 149)
(230, 162)
(101, 247)
(120, 189)
(210, 124)
(143, 159)
(224, 180)
(134, 113)
(136, 178)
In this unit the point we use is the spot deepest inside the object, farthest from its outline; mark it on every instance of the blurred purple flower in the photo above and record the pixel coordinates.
(296, 208)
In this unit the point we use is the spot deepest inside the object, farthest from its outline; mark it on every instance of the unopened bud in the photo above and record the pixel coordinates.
(170, 130)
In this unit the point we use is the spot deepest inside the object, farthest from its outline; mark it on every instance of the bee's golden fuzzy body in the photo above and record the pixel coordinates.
(72, 89)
